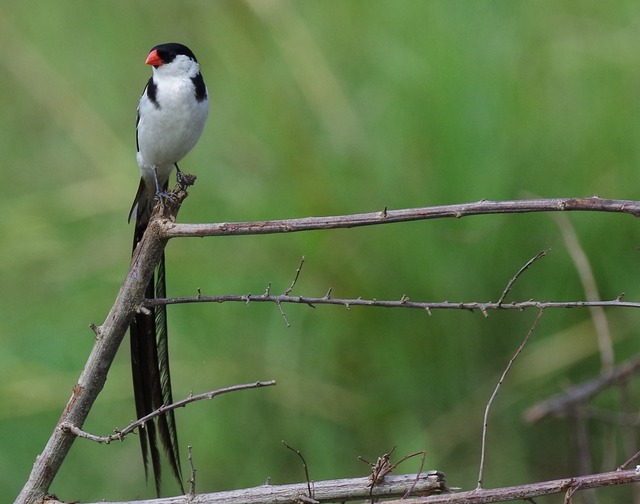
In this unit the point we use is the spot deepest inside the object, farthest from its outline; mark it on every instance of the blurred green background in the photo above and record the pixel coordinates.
(320, 108)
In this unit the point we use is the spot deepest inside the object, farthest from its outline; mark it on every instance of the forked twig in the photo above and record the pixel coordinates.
(383, 466)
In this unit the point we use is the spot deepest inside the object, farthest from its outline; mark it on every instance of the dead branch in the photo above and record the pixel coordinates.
(108, 338)
(529, 491)
(340, 490)
(162, 227)
(430, 487)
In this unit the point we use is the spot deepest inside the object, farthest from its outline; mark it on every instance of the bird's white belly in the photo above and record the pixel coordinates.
(166, 134)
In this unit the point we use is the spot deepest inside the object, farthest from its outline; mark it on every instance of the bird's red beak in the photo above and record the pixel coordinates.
(154, 59)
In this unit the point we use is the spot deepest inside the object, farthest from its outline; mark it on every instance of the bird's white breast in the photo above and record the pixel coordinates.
(169, 130)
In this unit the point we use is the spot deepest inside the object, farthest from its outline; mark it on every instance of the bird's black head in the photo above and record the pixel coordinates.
(167, 52)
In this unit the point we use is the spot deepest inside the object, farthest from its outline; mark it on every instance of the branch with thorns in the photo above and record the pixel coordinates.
(403, 302)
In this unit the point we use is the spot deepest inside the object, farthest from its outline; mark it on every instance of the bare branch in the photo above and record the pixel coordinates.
(593, 204)
(430, 488)
(531, 490)
(121, 433)
(108, 338)
(340, 490)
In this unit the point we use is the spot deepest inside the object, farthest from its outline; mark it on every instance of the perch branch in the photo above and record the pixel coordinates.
(108, 337)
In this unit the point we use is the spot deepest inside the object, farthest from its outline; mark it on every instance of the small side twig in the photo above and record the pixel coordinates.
(526, 266)
(306, 471)
(121, 433)
(192, 478)
(286, 293)
(295, 278)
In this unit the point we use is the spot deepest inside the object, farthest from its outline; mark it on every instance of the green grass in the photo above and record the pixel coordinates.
(319, 108)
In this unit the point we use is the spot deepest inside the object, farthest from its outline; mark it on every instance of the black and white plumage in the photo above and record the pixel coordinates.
(171, 115)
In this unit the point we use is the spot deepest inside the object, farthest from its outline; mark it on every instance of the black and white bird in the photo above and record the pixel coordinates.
(171, 115)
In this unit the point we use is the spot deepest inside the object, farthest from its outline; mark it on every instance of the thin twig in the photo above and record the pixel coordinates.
(284, 315)
(306, 468)
(295, 278)
(192, 479)
(121, 433)
(507, 289)
(485, 420)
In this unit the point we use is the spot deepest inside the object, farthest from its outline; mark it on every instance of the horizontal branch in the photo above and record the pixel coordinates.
(385, 216)
(323, 491)
(529, 491)
(431, 483)
(404, 302)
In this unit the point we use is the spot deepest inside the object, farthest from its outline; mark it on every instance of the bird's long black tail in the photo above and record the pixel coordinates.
(151, 377)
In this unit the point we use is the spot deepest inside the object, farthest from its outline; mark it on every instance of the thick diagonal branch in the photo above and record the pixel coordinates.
(92, 379)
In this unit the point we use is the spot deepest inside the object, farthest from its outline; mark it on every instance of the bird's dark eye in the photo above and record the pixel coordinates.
(166, 56)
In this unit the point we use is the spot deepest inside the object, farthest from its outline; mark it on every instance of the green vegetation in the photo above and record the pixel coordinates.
(321, 108)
